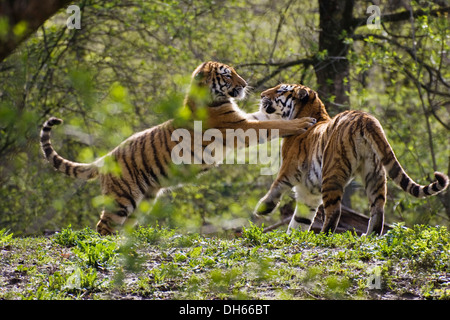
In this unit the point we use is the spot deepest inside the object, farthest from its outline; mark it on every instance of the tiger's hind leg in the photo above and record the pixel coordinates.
(120, 214)
(110, 221)
(120, 203)
(333, 185)
(117, 209)
(332, 208)
(375, 185)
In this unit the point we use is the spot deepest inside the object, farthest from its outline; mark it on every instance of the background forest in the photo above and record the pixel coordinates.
(127, 68)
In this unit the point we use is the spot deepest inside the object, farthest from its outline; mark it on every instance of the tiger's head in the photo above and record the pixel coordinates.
(290, 101)
(222, 80)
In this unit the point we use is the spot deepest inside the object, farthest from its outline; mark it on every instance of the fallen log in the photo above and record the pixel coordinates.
(350, 220)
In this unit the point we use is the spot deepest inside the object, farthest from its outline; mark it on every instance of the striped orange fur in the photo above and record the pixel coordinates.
(319, 163)
(144, 158)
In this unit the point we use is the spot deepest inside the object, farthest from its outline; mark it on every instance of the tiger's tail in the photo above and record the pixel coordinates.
(83, 171)
(375, 135)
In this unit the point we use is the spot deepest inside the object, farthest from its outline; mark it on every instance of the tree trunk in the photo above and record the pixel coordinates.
(22, 18)
(332, 68)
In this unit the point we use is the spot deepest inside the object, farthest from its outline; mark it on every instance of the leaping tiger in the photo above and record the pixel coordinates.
(144, 158)
(319, 163)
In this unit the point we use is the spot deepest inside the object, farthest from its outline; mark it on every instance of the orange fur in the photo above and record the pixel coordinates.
(145, 160)
(319, 163)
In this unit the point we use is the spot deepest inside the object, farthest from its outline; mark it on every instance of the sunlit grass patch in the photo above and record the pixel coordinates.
(162, 263)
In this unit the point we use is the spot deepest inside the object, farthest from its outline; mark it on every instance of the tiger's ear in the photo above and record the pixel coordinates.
(199, 76)
(199, 72)
(303, 95)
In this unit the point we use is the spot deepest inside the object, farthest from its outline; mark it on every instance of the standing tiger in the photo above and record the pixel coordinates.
(319, 163)
(144, 158)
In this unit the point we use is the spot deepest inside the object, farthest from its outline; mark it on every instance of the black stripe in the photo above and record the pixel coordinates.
(120, 155)
(130, 190)
(48, 151)
(377, 136)
(146, 162)
(144, 176)
(353, 145)
(227, 112)
(380, 197)
(142, 173)
(441, 179)
(425, 190)
(395, 170)
(435, 187)
(53, 121)
(332, 202)
(57, 162)
(47, 129)
(330, 182)
(346, 161)
(155, 156)
(378, 187)
(286, 182)
(404, 183)
(415, 190)
(134, 174)
(122, 193)
(122, 207)
(122, 213)
(136, 171)
(165, 147)
(330, 189)
(75, 171)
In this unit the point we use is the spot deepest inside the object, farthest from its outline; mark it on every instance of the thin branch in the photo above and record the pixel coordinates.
(278, 224)
(281, 66)
(433, 112)
(419, 89)
(280, 24)
(410, 51)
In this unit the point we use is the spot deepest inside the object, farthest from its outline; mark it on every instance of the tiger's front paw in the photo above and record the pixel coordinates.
(264, 208)
(299, 126)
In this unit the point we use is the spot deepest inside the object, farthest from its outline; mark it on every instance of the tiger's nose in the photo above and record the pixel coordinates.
(270, 109)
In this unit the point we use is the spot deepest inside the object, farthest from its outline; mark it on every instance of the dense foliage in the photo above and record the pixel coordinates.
(128, 68)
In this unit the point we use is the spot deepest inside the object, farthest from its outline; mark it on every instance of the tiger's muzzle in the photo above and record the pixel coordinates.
(267, 105)
(237, 92)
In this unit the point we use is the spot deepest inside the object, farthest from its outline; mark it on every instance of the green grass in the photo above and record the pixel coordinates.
(158, 263)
